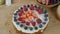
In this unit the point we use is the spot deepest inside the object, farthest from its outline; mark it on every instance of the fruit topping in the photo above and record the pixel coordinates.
(28, 5)
(38, 10)
(27, 23)
(25, 8)
(20, 13)
(21, 25)
(36, 28)
(30, 18)
(39, 21)
(24, 16)
(33, 23)
(34, 15)
(23, 21)
(31, 7)
(20, 19)
(17, 23)
(27, 15)
(25, 28)
(40, 25)
(31, 28)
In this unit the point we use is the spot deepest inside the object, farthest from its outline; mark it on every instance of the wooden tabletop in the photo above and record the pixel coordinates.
(6, 12)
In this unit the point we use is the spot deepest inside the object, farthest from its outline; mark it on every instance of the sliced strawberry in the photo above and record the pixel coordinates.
(39, 21)
(27, 23)
(20, 19)
(31, 7)
(38, 10)
(21, 10)
(33, 23)
(25, 8)
(23, 21)
(20, 13)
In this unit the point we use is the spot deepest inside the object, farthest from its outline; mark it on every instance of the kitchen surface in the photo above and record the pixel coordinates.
(6, 12)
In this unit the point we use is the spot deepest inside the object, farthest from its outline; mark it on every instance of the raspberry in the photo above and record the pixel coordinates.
(39, 21)
(32, 7)
(20, 19)
(27, 23)
(25, 8)
(20, 13)
(33, 23)
(23, 21)
(21, 10)
(38, 10)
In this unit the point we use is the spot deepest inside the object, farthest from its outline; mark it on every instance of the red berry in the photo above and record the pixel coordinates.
(21, 10)
(20, 13)
(39, 21)
(25, 8)
(23, 21)
(20, 19)
(32, 7)
(27, 23)
(38, 10)
(33, 23)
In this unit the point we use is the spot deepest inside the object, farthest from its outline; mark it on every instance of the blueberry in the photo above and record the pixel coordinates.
(21, 25)
(21, 7)
(15, 13)
(45, 19)
(17, 23)
(36, 28)
(25, 28)
(46, 15)
(31, 28)
(40, 26)
(44, 23)
(15, 19)
(28, 5)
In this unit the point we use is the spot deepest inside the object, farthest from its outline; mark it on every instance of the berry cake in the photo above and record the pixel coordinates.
(30, 18)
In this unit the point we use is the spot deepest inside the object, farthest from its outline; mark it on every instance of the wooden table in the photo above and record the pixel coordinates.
(6, 26)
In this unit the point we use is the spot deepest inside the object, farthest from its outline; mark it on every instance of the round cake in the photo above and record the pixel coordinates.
(30, 18)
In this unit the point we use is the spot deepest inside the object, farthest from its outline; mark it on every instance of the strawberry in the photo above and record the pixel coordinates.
(20, 19)
(20, 13)
(33, 23)
(38, 10)
(23, 21)
(39, 21)
(27, 23)
(25, 8)
(31, 7)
